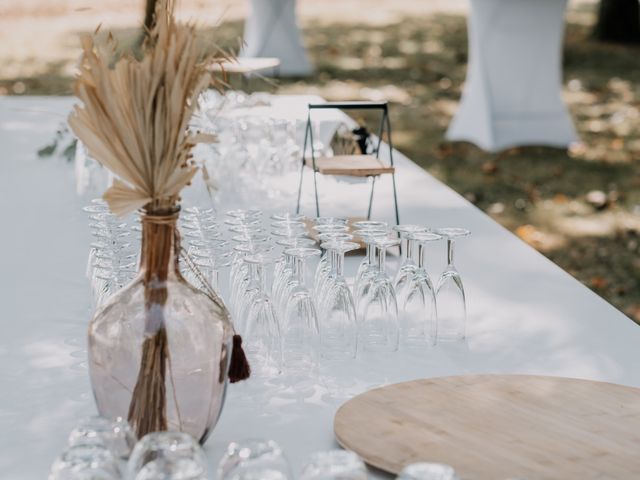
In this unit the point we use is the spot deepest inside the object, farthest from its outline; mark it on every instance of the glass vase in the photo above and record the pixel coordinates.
(159, 349)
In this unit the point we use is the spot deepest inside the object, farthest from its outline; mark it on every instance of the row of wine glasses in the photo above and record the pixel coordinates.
(101, 449)
(443, 306)
(288, 318)
(293, 302)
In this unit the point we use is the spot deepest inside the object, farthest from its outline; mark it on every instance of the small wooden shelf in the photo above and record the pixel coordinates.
(350, 165)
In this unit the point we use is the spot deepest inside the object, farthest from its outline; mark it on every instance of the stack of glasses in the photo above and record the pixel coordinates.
(100, 449)
(249, 150)
(291, 301)
(113, 253)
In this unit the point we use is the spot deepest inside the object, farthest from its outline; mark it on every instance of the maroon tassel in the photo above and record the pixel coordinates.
(239, 368)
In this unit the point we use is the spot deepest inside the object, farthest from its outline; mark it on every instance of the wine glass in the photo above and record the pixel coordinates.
(380, 309)
(300, 321)
(284, 266)
(239, 274)
(367, 229)
(334, 465)
(452, 308)
(417, 309)
(86, 462)
(254, 459)
(116, 435)
(368, 267)
(167, 456)
(324, 267)
(408, 266)
(338, 327)
(262, 331)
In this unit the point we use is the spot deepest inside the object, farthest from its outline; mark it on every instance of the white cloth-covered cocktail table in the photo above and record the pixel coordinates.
(271, 30)
(512, 94)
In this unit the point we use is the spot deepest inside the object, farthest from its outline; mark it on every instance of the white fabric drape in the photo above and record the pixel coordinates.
(271, 30)
(512, 94)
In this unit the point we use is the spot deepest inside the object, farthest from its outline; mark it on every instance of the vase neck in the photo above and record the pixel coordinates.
(159, 255)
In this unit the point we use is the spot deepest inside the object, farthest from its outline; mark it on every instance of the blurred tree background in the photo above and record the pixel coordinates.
(618, 21)
(580, 207)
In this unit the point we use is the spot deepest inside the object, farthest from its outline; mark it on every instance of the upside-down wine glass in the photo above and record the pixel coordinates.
(334, 465)
(368, 267)
(262, 330)
(86, 462)
(452, 308)
(338, 327)
(408, 265)
(326, 264)
(329, 226)
(300, 334)
(167, 456)
(362, 228)
(254, 459)
(116, 435)
(283, 268)
(379, 323)
(417, 311)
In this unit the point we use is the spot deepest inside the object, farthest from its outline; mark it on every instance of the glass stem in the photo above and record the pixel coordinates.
(422, 255)
(382, 258)
(262, 281)
(371, 254)
(409, 246)
(300, 270)
(332, 262)
(339, 264)
(450, 243)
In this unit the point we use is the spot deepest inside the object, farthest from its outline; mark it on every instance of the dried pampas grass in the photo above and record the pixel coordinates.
(135, 112)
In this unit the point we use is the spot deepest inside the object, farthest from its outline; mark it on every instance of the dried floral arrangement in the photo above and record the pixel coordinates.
(135, 112)
(134, 121)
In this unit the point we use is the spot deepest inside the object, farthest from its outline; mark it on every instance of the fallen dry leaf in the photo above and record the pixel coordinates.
(598, 283)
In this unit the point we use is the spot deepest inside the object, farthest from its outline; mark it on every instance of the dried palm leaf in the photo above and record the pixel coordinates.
(135, 112)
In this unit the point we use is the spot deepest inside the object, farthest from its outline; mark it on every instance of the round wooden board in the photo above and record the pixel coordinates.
(498, 427)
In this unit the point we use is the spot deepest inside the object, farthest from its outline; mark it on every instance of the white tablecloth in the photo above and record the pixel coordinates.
(526, 315)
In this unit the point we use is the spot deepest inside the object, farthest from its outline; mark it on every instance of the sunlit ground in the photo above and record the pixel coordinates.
(581, 208)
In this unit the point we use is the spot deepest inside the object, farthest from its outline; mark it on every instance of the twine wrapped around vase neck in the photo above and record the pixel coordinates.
(159, 232)
(161, 217)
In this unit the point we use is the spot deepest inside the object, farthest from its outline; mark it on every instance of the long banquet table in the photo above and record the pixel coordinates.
(526, 315)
